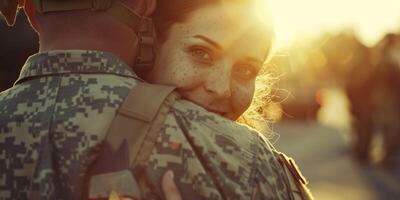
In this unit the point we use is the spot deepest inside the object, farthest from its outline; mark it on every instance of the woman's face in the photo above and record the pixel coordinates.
(213, 58)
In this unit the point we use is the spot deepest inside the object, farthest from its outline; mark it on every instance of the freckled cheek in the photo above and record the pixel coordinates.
(186, 75)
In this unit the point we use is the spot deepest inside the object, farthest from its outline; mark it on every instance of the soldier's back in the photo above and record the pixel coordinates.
(53, 117)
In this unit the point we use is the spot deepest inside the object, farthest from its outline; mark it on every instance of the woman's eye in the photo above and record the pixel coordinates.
(246, 72)
(201, 54)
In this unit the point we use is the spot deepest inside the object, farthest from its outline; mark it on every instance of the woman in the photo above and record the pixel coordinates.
(212, 51)
(212, 56)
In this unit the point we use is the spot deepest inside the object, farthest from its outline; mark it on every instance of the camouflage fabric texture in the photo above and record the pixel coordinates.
(214, 158)
(57, 112)
(54, 119)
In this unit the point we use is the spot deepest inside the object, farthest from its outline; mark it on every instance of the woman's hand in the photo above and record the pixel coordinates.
(168, 185)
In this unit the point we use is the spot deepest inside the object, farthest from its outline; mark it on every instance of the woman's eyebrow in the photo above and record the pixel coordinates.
(210, 41)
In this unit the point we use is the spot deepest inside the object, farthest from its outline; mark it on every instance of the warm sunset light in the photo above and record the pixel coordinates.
(370, 19)
(200, 99)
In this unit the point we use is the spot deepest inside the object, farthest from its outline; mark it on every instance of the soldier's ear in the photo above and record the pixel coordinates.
(150, 7)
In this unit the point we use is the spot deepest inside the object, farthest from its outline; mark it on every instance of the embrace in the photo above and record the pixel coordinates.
(141, 99)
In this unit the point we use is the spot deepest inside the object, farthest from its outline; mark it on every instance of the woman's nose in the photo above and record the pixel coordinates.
(219, 83)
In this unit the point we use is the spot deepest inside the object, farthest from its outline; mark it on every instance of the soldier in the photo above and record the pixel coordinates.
(358, 86)
(385, 98)
(372, 87)
(92, 129)
(64, 100)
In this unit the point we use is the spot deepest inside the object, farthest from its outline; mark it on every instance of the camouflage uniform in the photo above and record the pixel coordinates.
(214, 158)
(54, 119)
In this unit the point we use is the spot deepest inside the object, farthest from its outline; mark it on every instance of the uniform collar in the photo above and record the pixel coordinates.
(74, 62)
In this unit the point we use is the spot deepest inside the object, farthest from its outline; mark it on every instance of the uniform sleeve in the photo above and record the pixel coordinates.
(271, 181)
(277, 176)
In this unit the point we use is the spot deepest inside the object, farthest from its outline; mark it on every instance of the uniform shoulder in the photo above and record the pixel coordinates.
(196, 115)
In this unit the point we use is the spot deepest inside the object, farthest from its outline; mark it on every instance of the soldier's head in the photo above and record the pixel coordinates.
(65, 26)
(212, 50)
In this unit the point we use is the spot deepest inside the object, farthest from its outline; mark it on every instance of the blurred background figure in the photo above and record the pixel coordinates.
(385, 97)
(358, 85)
(372, 85)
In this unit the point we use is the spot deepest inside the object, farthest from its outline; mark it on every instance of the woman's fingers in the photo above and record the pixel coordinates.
(169, 187)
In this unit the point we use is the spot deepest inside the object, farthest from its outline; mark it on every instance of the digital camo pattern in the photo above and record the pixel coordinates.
(58, 110)
(58, 113)
(215, 158)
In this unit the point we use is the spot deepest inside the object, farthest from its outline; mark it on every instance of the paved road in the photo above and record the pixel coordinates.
(322, 154)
